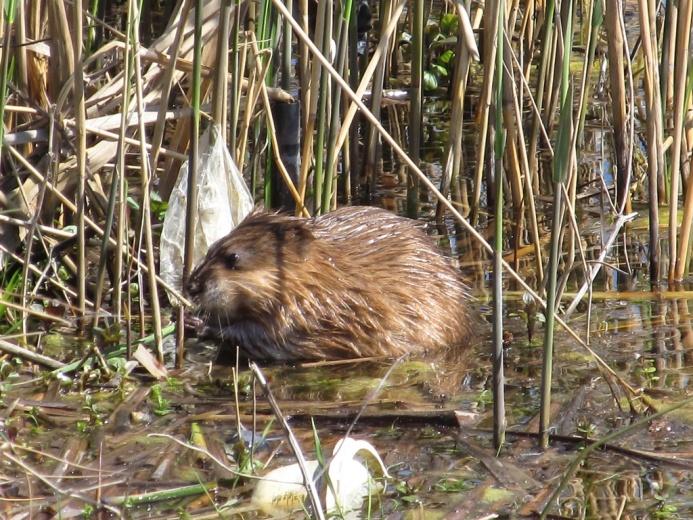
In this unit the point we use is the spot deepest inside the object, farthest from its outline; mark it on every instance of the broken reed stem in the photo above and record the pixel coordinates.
(258, 72)
(300, 208)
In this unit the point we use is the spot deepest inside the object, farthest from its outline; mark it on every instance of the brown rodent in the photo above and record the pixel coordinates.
(357, 282)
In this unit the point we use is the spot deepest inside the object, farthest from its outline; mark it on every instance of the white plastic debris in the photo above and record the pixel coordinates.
(281, 491)
(223, 201)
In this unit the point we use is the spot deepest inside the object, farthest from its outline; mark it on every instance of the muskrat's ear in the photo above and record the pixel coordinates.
(297, 231)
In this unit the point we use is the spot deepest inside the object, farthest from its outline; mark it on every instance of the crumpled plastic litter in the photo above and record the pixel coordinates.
(223, 201)
(281, 491)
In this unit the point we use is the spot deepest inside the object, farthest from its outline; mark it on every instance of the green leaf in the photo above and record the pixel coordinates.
(449, 23)
(430, 81)
(447, 58)
(439, 70)
(561, 158)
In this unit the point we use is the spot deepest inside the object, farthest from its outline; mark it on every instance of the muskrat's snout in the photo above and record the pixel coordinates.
(195, 285)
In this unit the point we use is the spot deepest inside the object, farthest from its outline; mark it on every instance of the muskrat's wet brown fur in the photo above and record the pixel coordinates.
(356, 282)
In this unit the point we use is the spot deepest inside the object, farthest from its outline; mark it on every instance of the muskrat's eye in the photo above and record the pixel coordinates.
(231, 260)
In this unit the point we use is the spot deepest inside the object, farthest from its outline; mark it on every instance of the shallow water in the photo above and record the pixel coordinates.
(647, 339)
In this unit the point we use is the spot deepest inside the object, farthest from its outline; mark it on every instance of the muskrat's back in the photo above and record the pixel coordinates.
(356, 282)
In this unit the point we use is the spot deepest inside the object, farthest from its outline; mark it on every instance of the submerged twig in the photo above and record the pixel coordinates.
(34, 357)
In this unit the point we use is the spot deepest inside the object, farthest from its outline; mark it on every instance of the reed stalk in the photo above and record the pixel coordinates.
(257, 73)
(20, 40)
(617, 82)
(483, 121)
(513, 172)
(454, 159)
(546, 54)
(267, 40)
(653, 109)
(236, 71)
(5, 33)
(666, 63)
(343, 24)
(167, 84)
(561, 165)
(219, 93)
(311, 99)
(677, 256)
(528, 182)
(146, 199)
(286, 50)
(323, 115)
(498, 137)
(81, 157)
(108, 225)
(304, 72)
(351, 154)
(376, 100)
(191, 201)
(594, 22)
(415, 108)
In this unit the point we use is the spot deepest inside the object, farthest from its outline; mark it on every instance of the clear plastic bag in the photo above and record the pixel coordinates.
(223, 201)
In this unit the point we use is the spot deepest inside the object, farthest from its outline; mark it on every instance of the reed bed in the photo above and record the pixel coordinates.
(100, 109)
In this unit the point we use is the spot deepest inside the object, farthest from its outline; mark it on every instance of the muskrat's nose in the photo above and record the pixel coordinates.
(194, 286)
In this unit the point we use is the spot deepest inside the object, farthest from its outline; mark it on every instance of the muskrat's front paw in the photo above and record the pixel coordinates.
(194, 325)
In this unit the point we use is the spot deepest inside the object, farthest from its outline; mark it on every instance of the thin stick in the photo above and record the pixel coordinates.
(34, 357)
(313, 494)
(620, 221)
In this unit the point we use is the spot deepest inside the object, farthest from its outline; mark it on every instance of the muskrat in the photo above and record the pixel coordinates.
(357, 282)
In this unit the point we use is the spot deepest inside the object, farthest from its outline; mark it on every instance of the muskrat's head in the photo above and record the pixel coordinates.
(244, 273)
